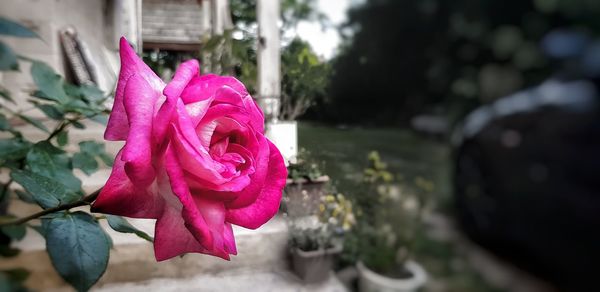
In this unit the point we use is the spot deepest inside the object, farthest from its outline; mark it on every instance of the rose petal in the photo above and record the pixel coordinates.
(118, 124)
(267, 203)
(194, 157)
(196, 110)
(172, 91)
(205, 219)
(229, 239)
(120, 196)
(205, 86)
(172, 238)
(139, 100)
(257, 118)
(249, 194)
(214, 215)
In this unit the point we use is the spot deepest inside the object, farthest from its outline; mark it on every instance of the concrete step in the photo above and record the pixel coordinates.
(132, 258)
(247, 280)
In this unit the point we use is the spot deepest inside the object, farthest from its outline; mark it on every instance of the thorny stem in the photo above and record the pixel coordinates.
(81, 202)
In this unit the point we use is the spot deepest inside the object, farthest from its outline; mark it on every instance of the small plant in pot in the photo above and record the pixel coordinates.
(316, 238)
(306, 182)
(389, 215)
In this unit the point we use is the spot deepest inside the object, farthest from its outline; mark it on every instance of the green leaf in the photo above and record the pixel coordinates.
(119, 224)
(107, 159)
(100, 119)
(25, 196)
(91, 147)
(72, 90)
(78, 248)
(47, 192)
(8, 59)
(4, 94)
(96, 149)
(86, 162)
(77, 125)
(33, 122)
(62, 138)
(91, 93)
(109, 239)
(11, 28)
(51, 162)
(48, 82)
(5, 283)
(51, 111)
(13, 149)
(4, 125)
(16, 232)
(12, 280)
(79, 106)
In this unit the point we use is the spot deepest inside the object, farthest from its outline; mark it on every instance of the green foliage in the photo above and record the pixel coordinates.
(86, 258)
(317, 222)
(46, 192)
(119, 224)
(77, 245)
(87, 163)
(33, 122)
(11, 28)
(388, 215)
(96, 150)
(8, 58)
(304, 81)
(12, 280)
(305, 168)
(13, 149)
(225, 55)
(46, 160)
(402, 58)
(16, 232)
(243, 12)
(4, 94)
(228, 55)
(49, 83)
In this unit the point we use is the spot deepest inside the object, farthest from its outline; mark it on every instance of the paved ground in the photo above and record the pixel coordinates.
(225, 282)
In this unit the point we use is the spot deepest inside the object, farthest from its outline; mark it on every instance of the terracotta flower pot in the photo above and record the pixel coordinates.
(314, 266)
(370, 281)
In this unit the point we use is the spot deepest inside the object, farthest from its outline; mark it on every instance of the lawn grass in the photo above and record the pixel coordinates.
(408, 155)
(344, 153)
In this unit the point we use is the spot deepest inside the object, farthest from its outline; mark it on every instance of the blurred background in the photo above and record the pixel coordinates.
(433, 145)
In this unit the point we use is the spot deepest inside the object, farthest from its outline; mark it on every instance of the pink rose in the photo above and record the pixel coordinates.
(195, 158)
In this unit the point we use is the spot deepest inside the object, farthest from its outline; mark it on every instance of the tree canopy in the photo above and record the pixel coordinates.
(403, 57)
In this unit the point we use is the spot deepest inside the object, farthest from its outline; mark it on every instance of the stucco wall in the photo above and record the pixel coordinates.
(47, 18)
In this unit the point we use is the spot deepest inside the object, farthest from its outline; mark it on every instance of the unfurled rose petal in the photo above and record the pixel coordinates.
(195, 158)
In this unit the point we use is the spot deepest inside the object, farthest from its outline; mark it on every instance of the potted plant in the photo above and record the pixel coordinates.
(388, 215)
(315, 238)
(306, 181)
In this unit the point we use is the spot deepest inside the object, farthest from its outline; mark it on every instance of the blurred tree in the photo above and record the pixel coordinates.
(403, 57)
(304, 80)
(304, 76)
(292, 11)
